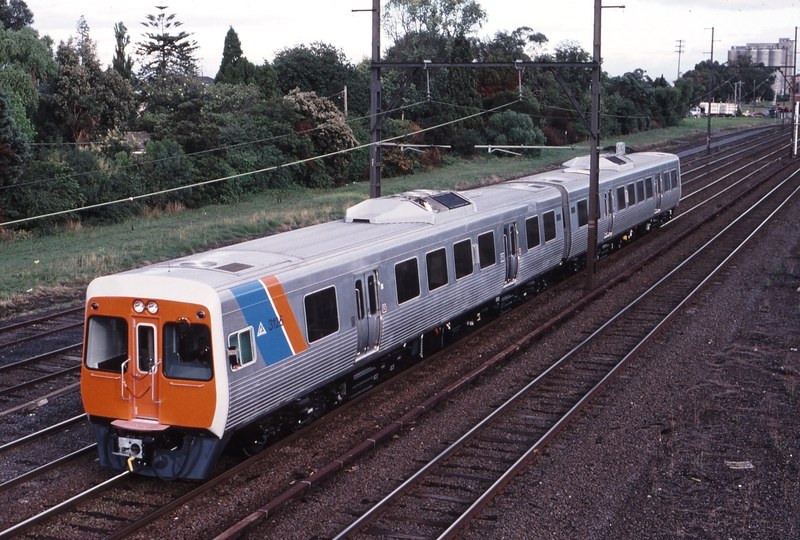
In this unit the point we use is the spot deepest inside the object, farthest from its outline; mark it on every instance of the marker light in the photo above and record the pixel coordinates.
(152, 307)
(138, 306)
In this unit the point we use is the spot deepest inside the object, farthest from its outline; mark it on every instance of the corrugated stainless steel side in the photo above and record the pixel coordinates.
(417, 315)
(272, 386)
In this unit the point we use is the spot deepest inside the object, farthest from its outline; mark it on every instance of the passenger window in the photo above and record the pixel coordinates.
(639, 191)
(240, 348)
(549, 225)
(406, 275)
(437, 268)
(146, 339)
(648, 187)
(632, 195)
(373, 295)
(322, 315)
(532, 232)
(462, 252)
(621, 198)
(359, 299)
(583, 213)
(486, 253)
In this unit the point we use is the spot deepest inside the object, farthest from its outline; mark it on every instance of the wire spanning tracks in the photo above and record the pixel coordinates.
(445, 494)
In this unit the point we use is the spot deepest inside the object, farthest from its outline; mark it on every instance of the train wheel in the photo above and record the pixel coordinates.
(253, 448)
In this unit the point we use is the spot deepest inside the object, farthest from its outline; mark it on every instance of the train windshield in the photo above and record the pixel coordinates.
(106, 343)
(187, 351)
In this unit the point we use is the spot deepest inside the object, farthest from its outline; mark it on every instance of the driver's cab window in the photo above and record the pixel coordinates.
(240, 348)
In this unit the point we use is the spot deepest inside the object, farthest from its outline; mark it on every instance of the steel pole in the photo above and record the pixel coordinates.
(710, 93)
(375, 105)
(594, 159)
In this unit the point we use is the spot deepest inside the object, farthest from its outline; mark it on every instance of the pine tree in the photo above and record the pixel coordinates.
(163, 54)
(229, 69)
(235, 68)
(122, 63)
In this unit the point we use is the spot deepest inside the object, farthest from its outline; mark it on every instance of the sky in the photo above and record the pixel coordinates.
(644, 34)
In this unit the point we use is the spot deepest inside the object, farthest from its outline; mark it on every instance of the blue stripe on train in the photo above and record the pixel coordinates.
(258, 312)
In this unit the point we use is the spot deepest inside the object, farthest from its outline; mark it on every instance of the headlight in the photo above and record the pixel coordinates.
(152, 307)
(138, 306)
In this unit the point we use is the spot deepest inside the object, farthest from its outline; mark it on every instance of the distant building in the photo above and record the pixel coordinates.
(775, 55)
(778, 55)
(137, 140)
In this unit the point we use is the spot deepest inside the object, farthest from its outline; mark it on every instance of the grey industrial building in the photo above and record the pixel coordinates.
(780, 55)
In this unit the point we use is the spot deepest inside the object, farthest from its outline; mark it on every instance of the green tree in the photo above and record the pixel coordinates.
(235, 68)
(163, 54)
(461, 91)
(321, 129)
(671, 103)
(448, 18)
(27, 61)
(15, 14)
(122, 63)
(232, 56)
(86, 99)
(637, 92)
(14, 149)
(319, 68)
(462, 98)
(504, 47)
(510, 128)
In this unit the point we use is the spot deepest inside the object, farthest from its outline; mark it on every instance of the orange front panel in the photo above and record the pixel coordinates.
(170, 401)
(102, 394)
(187, 403)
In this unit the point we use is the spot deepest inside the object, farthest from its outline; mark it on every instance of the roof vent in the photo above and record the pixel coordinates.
(419, 206)
(235, 267)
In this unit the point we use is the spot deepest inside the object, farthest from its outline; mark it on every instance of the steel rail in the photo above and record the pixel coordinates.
(41, 357)
(42, 433)
(16, 326)
(34, 382)
(721, 158)
(40, 335)
(34, 473)
(63, 506)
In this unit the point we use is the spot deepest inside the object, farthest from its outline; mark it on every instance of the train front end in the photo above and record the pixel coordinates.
(153, 379)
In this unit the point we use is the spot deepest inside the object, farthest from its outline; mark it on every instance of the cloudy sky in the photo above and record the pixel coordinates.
(642, 35)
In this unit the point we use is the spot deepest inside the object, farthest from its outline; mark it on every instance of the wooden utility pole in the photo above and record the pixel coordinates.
(594, 157)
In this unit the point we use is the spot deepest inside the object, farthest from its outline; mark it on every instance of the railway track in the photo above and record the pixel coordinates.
(463, 478)
(26, 331)
(100, 527)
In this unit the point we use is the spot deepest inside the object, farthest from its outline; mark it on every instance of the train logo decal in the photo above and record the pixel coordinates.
(265, 308)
